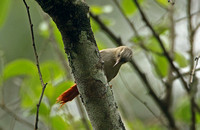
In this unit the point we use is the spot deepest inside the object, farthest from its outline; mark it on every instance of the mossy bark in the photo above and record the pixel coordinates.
(72, 19)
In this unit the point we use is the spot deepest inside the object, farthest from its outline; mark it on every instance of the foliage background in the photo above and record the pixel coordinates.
(19, 81)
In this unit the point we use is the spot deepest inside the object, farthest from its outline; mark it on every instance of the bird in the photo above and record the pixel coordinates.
(113, 59)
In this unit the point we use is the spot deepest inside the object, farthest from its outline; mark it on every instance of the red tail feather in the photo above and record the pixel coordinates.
(68, 95)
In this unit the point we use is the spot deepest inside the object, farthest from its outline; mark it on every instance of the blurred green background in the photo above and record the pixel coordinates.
(19, 81)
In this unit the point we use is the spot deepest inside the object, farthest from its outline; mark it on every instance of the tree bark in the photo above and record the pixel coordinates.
(72, 19)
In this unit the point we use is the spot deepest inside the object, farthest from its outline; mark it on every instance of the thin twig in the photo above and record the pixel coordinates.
(195, 30)
(194, 69)
(193, 114)
(193, 87)
(37, 64)
(185, 74)
(126, 18)
(191, 34)
(192, 66)
(169, 95)
(186, 17)
(38, 106)
(33, 43)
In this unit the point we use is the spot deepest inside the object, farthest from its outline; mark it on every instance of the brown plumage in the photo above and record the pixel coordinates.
(113, 59)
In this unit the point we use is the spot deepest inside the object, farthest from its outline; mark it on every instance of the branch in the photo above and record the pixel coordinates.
(185, 74)
(190, 33)
(193, 83)
(71, 18)
(186, 17)
(142, 75)
(194, 69)
(11, 113)
(16, 117)
(141, 43)
(38, 107)
(159, 102)
(37, 64)
(126, 18)
(65, 65)
(195, 30)
(164, 50)
(193, 114)
(116, 39)
(144, 18)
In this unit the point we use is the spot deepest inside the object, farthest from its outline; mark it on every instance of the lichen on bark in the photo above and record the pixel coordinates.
(72, 20)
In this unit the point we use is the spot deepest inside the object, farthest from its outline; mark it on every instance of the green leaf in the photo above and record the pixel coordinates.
(107, 21)
(136, 124)
(57, 35)
(4, 9)
(30, 91)
(161, 65)
(94, 25)
(101, 44)
(44, 110)
(162, 2)
(58, 123)
(182, 112)
(19, 67)
(153, 45)
(97, 10)
(181, 60)
(139, 125)
(161, 28)
(51, 71)
(27, 101)
(129, 7)
(135, 40)
(44, 29)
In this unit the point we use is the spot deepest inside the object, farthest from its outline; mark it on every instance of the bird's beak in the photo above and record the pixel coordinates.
(117, 61)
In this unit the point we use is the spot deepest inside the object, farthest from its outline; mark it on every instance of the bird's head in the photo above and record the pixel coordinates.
(123, 54)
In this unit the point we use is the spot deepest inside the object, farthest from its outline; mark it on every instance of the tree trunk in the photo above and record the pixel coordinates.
(72, 19)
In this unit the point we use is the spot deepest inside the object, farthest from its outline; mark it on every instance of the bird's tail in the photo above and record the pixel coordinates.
(68, 95)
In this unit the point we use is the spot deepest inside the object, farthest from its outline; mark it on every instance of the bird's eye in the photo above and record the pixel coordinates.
(118, 55)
